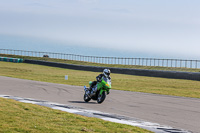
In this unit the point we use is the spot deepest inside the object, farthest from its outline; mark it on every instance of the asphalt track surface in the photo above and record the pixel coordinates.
(179, 112)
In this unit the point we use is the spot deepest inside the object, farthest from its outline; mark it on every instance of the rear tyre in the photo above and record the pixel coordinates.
(86, 98)
(101, 97)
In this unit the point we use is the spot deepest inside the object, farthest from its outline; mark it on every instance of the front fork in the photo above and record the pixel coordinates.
(85, 88)
(87, 92)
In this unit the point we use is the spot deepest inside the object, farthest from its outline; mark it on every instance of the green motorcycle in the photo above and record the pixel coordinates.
(99, 90)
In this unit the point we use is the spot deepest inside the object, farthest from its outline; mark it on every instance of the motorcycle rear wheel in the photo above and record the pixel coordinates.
(101, 97)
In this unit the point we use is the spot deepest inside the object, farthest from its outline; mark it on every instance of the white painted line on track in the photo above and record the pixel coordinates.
(67, 110)
(155, 127)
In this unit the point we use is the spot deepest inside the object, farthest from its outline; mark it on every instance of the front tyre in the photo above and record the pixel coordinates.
(101, 97)
(86, 98)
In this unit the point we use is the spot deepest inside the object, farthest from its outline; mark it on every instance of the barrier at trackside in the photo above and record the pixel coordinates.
(157, 62)
(138, 72)
(8, 59)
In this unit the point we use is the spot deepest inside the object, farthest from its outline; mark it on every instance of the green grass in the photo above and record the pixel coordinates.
(105, 65)
(18, 117)
(175, 87)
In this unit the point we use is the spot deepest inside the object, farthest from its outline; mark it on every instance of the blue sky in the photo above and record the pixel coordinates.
(156, 27)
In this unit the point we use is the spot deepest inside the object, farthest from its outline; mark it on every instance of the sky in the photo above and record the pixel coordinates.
(156, 28)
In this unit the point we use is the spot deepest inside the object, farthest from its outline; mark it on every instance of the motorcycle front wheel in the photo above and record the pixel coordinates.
(86, 98)
(101, 97)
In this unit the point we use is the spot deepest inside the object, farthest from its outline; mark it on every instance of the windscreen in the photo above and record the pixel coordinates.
(107, 80)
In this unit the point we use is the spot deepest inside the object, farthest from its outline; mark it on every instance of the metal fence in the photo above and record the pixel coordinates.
(109, 60)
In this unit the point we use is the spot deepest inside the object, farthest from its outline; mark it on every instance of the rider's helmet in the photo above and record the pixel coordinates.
(106, 72)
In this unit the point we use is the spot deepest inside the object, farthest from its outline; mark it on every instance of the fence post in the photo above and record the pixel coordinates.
(175, 63)
(150, 61)
(185, 63)
(125, 61)
(196, 64)
(142, 61)
(146, 61)
(171, 63)
(167, 62)
(180, 63)
(112, 62)
(135, 61)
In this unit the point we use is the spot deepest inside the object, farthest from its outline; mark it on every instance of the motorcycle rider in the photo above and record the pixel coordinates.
(106, 73)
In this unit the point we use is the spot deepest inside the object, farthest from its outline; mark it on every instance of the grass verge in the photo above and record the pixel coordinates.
(175, 87)
(104, 65)
(24, 118)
